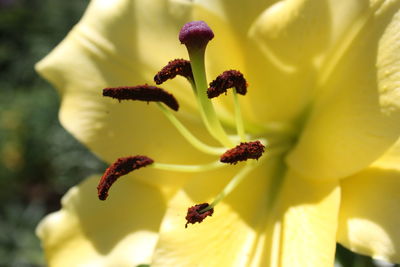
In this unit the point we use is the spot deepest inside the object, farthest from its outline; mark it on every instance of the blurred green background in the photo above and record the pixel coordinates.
(39, 161)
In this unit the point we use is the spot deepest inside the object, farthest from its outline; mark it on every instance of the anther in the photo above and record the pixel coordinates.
(143, 93)
(119, 168)
(175, 67)
(242, 152)
(195, 34)
(194, 214)
(228, 79)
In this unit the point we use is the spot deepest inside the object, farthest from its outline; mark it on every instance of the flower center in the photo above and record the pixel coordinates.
(243, 146)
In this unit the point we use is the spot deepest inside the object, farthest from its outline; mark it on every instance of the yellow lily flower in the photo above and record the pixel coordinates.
(323, 96)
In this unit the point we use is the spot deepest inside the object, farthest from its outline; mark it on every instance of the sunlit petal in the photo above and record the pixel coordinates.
(309, 221)
(251, 228)
(369, 215)
(331, 69)
(355, 117)
(225, 239)
(288, 43)
(121, 231)
(112, 46)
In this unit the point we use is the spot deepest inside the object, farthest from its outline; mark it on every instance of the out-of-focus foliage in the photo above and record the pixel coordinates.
(39, 161)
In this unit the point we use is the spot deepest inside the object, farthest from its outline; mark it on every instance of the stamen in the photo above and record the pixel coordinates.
(119, 168)
(230, 186)
(144, 93)
(195, 214)
(242, 152)
(188, 168)
(172, 69)
(238, 178)
(228, 79)
(196, 35)
(238, 117)
(189, 136)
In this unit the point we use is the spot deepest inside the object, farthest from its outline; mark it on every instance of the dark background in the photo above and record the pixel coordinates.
(39, 160)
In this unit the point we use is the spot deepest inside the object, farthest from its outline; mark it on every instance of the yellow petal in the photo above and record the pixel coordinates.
(121, 231)
(116, 44)
(279, 48)
(391, 158)
(288, 42)
(355, 116)
(250, 228)
(225, 239)
(229, 10)
(369, 215)
(309, 221)
(226, 50)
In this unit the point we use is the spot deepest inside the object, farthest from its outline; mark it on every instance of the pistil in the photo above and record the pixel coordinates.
(196, 35)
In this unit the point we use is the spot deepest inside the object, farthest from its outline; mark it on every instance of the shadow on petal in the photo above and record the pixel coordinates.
(121, 231)
(131, 206)
(271, 214)
(369, 216)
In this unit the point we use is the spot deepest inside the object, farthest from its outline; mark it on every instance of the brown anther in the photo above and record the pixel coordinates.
(194, 215)
(119, 168)
(143, 93)
(242, 152)
(228, 79)
(175, 67)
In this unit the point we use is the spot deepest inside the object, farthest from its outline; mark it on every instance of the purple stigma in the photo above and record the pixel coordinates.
(195, 34)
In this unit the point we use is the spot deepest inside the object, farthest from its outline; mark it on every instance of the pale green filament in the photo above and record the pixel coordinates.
(243, 173)
(231, 185)
(189, 168)
(188, 135)
(238, 116)
(207, 111)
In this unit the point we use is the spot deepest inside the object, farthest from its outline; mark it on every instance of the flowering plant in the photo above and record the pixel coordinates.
(317, 127)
